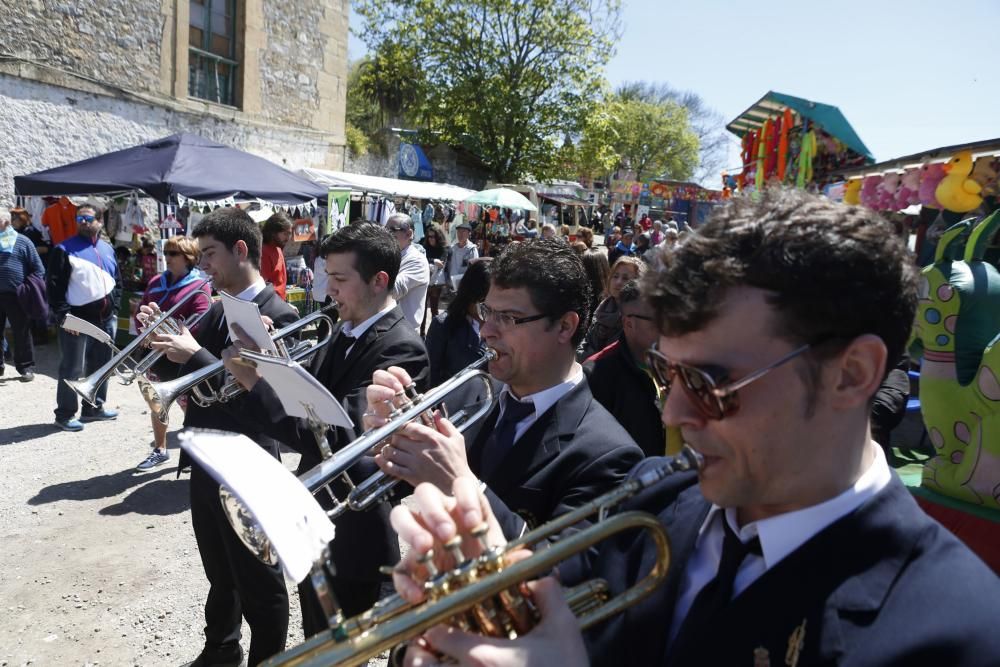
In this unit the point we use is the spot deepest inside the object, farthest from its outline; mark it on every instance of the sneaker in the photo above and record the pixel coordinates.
(101, 415)
(155, 458)
(27, 376)
(69, 424)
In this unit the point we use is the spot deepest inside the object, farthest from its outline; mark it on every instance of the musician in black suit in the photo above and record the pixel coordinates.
(239, 584)
(798, 545)
(361, 264)
(547, 446)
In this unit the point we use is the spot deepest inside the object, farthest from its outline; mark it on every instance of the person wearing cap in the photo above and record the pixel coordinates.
(83, 280)
(463, 252)
(410, 289)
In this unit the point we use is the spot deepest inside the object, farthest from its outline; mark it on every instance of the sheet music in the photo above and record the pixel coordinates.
(293, 521)
(247, 315)
(296, 388)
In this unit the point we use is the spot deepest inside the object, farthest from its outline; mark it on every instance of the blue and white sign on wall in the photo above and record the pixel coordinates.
(413, 163)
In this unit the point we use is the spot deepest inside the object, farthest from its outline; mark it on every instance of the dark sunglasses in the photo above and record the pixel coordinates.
(85, 218)
(713, 400)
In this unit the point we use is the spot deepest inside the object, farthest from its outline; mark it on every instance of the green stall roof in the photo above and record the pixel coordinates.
(825, 115)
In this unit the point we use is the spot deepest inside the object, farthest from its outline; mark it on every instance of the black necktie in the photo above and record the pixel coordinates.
(500, 441)
(719, 591)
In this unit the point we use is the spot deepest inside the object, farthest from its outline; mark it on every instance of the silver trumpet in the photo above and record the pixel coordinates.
(415, 406)
(122, 363)
(161, 395)
(377, 486)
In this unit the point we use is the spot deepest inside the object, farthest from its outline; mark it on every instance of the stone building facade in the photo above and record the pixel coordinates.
(83, 77)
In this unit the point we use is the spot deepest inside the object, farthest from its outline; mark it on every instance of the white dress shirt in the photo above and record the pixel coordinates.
(410, 290)
(543, 400)
(351, 331)
(779, 536)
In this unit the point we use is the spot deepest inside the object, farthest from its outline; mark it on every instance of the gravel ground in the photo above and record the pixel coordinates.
(99, 562)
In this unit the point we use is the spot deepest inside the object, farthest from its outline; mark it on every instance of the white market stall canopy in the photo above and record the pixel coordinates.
(394, 187)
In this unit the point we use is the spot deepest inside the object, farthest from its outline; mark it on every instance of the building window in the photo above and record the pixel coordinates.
(212, 63)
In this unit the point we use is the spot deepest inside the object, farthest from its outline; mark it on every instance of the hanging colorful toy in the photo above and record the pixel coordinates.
(956, 191)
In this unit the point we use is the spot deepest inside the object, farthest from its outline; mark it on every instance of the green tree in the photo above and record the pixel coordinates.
(508, 79)
(654, 139)
(707, 124)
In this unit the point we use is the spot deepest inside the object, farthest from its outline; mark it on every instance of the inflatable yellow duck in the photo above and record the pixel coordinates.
(852, 192)
(956, 191)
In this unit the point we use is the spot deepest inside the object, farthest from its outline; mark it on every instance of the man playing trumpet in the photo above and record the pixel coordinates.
(795, 543)
(239, 584)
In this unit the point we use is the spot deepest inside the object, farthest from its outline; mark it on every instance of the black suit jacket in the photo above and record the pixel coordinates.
(573, 452)
(364, 540)
(213, 335)
(884, 585)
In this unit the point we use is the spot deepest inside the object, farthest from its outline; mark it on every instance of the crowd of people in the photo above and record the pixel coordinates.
(746, 341)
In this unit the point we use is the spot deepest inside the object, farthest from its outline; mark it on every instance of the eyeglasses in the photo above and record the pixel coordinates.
(85, 218)
(712, 400)
(504, 320)
(172, 253)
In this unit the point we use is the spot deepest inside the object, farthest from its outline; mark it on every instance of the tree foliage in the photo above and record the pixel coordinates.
(508, 79)
(654, 139)
(706, 123)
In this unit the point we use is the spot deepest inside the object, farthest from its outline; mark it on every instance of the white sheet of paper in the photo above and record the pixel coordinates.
(296, 388)
(247, 315)
(74, 323)
(293, 521)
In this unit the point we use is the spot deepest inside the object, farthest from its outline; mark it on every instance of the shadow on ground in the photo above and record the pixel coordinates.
(25, 432)
(159, 498)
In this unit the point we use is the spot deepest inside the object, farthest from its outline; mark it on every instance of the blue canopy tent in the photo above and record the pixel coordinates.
(181, 164)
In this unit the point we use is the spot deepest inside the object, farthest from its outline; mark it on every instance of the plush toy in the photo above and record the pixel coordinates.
(957, 332)
(762, 141)
(786, 126)
(852, 192)
(909, 189)
(930, 176)
(869, 191)
(985, 173)
(956, 191)
(887, 192)
(806, 155)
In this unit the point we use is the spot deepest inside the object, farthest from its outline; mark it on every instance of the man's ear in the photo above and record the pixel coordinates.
(380, 281)
(858, 371)
(241, 250)
(568, 324)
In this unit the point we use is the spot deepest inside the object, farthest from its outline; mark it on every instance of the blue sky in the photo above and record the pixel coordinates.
(908, 75)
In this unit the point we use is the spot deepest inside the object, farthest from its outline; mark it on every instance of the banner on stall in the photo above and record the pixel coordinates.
(338, 207)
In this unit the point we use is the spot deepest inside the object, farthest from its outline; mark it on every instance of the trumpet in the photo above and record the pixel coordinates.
(161, 395)
(378, 485)
(415, 406)
(122, 363)
(487, 595)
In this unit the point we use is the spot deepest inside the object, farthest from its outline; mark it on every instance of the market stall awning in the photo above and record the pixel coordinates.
(825, 115)
(566, 200)
(181, 164)
(393, 187)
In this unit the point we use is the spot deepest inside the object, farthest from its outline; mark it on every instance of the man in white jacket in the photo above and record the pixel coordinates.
(410, 290)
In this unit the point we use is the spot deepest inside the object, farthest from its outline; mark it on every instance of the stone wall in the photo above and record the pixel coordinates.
(117, 42)
(50, 126)
(82, 77)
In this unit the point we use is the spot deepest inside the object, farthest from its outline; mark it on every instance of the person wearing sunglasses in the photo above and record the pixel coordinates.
(166, 290)
(794, 543)
(83, 280)
(620, 379)
(546, 446)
